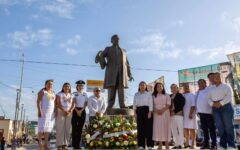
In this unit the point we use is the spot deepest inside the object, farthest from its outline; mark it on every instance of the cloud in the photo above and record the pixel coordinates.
(71, 45)
(27, 98)
(178, 23)
(8, 2)
(232, 21)
(14, 2)
(60, 8)
(71, 51)
(6, 12)
(155, 44)
(28, 37)
(211, 53)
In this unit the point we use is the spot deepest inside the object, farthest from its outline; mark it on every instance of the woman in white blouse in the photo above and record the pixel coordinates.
(143, 107)
(65, 105)
(79, 114)
(189, 117)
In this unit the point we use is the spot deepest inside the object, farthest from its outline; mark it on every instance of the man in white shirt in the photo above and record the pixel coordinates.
(220, 97)
(96, 104)
(204, 111)
(211, 79)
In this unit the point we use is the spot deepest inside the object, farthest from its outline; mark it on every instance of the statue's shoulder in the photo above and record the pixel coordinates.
(108, 47)
(124, 50)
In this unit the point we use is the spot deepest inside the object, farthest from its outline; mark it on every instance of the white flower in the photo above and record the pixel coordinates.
(88, 136)
(88, 141)
(116, 135)
(106, 133)
(117, 124)
(107, 143)
(100, 122)
(109, 126)
(134, 124)
(117, 143)
(128, 124)
(125, 143)
(95, 126)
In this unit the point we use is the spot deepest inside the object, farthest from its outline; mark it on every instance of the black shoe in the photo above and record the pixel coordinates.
(175, 147)
(205, 147)
(187, 146)
(213, 147)
(179, 147)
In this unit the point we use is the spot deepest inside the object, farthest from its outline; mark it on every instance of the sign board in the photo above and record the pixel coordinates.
(194, 74)
(236, 111)
(91, 84)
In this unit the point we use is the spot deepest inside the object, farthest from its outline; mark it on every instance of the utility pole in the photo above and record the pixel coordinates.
(23, 122)
(21, 119)
(15, 122)
(20, 87)
(18, 100)
(22, 113)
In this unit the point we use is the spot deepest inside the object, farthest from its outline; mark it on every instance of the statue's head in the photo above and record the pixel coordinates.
(115, 39)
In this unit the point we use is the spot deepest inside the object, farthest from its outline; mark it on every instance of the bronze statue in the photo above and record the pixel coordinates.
(117, 73)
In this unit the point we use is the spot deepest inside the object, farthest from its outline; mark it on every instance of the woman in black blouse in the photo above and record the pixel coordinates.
(178, 102)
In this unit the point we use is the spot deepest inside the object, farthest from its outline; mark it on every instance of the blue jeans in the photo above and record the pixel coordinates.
(224, 121)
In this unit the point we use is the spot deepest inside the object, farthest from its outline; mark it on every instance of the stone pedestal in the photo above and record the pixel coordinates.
(119, 111)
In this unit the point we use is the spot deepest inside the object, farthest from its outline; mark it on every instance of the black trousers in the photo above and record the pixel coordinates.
(77, 126)
(144, 127)
(208, 126)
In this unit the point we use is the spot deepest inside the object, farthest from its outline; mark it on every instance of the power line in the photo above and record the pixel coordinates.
(79, 65)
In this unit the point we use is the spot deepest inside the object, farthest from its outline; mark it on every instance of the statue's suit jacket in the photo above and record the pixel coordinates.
(108, 59)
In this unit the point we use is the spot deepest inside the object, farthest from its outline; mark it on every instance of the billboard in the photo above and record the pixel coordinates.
(235, 61)
(192, 75)
(91, 84)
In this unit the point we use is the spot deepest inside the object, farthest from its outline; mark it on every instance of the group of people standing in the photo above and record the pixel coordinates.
(161, 116)
(66, 110)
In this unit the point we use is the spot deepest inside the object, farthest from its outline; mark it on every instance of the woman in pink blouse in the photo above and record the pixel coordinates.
(161, 117)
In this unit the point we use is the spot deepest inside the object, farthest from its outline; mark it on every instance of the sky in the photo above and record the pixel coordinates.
(157, 34)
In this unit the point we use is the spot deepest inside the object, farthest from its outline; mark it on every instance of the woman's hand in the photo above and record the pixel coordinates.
(190, 116)
(161, 111)
(40, 113)
(66, 113)
(79, 113)
(172, 113)
(149, 115)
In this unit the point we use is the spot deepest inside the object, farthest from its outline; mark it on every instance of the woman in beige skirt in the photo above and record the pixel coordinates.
(65, 106)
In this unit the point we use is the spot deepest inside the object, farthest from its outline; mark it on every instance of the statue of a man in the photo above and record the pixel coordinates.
(117, 72)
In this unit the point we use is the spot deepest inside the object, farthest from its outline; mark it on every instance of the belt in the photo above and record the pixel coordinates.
(218, 100)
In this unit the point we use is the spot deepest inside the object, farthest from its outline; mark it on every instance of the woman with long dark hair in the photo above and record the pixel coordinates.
(143, 107)
(161, 117)
(65, 105)
(45, 105)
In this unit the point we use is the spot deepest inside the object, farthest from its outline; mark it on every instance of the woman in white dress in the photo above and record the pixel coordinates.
(189, 118)
(45, 105)
(65, 106)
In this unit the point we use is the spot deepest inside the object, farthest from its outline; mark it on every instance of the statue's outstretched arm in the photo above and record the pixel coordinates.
(100, 59)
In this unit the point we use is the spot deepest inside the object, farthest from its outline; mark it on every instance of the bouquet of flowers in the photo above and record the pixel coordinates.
(106, 133)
